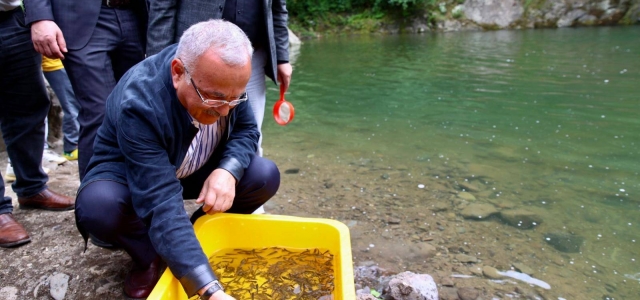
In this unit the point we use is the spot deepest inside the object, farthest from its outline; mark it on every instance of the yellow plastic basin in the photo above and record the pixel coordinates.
(224, 231)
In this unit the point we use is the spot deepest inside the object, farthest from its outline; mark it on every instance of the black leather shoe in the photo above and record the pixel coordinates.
(100, 243)
(139, 283)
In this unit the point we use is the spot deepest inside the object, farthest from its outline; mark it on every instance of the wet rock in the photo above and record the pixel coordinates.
(393, 220)
(466, 258)
(520, 218)
(476, 270)
(292, 171)
(468, 293)
(449, 293)
(423, 251)
(466, 196)
(564, 242)
(478, 211)
(411, 286)
(523, 268)
(491, 272)
(446, 281)
(440, 206)
(58, 284)
(468, 187)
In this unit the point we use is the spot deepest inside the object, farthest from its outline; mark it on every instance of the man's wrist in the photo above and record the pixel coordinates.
(210, 289)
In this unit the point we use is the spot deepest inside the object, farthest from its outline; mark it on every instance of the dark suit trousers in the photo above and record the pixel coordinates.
(115, 46)
(24, 104)
(104, 208)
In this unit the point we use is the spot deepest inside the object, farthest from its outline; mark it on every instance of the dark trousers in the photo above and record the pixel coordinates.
(115, 46)
(24, 104)
(104, 208)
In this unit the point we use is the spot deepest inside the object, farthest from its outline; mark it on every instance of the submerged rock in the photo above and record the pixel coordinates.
(520, 218)
(564, 242)
(478, 211)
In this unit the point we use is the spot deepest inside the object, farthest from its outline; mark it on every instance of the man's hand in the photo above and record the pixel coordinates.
(48, 39)
(284, 75)
(220, 295)
(218, 192)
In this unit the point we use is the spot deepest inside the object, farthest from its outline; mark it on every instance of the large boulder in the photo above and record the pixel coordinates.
(494, 13)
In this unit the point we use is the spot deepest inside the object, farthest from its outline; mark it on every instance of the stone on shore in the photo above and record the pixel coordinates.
(411, 286)
(58, 284)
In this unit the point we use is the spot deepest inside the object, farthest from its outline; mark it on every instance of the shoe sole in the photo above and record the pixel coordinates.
(102, 244)
(22, 206)
(16, 243)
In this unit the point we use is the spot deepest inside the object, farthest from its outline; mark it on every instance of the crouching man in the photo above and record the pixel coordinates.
(177, 126)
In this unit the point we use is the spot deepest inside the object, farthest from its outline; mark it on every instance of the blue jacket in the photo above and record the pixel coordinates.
(143, 141)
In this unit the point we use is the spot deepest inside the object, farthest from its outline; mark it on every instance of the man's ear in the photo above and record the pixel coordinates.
(177, 71)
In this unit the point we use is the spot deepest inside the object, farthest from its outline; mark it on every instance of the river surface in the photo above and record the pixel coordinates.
(546, 121)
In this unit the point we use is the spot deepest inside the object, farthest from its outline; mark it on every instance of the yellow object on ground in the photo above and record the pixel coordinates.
(73, 155)
(224, 231)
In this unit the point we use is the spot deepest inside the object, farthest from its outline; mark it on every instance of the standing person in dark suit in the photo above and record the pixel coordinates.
(98, 42)
(264, 22)
(23, 106)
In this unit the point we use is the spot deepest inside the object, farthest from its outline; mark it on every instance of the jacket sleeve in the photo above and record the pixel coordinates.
(280, 30)
(162, 25)
(242, 142)
(156, 193)
(37, 10)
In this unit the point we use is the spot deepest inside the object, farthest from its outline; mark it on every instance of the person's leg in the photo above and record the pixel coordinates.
(130, 49)
(59, 82)
(104, 210)
(260, 182)
(24, 104)
(93, 77)
(257, 90)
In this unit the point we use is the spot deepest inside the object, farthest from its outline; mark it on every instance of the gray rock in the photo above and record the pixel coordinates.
(478, 211)
(564, 242)
(493, 13)
(423, 251)
(468, 293)
(411, 286)
(491, 272)
(523, 268)
(570, 18)
(58, 284)
(9, 293)
(449, 293)
(466, 258)
(520, 218)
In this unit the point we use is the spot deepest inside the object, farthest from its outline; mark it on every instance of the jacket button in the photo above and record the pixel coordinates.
(221, 7)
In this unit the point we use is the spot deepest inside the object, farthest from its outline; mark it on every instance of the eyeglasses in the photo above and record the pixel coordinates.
(215, 102)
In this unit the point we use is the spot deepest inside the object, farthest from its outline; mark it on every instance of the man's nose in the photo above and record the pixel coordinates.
(223, 110)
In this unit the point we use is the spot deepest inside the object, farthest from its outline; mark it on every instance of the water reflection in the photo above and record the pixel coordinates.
(538, 120)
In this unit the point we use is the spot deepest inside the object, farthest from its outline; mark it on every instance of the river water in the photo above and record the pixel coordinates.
(540, 120)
